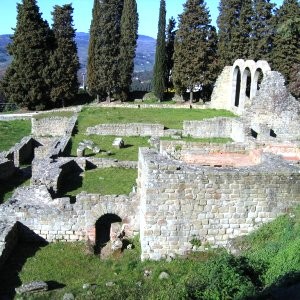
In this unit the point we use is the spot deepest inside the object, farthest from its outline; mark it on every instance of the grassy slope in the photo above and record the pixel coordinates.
(11, 132)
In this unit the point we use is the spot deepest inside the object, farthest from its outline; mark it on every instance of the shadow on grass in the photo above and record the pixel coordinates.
(9, 275)
(8, 186)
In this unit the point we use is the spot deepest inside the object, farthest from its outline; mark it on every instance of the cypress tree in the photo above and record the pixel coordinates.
(286, 51)
(171, 33)
(192, 50)
(229, 14)
(128, 43)
(103, 61)
(25, 80)
(262, 29)
(159, 70)
(64, 62)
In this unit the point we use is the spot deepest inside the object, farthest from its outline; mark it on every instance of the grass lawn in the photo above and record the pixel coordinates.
(169, 117)
(61, 114)
(11, 132)
(129, 152)
(108, 181)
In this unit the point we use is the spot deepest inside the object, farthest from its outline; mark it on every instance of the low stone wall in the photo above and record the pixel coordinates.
(53, 126)
(221, 127)
(131, 129)
(24, 151)
(180, 202)
(8, 239)
(58, 220)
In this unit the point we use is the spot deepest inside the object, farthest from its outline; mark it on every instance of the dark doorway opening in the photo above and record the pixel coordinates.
(238, 88)
(248, 83)
(103, 226)
(272, 133)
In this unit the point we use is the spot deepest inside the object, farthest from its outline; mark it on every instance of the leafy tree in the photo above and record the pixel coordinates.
(25, 81)
(103, 62)
(160, 65)
(171, 33)
(294, 85)
(193, 47)
(128, 43)
(262, 29)
(64, 62)
(286, 51)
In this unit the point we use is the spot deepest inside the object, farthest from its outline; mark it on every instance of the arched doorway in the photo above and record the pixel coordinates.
(257, 80)
(236, 86)
(103, 227)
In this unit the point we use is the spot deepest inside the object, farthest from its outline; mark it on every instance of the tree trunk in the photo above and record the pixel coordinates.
(98, 98)
(108, 99)
(191, 95)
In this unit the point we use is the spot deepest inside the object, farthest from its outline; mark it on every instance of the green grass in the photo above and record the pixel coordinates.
(11, 132)
(169, 117)
(61, 114)
(108, 181)
(129, 152)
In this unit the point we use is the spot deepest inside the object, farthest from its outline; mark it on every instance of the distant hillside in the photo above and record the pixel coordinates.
(143, 63)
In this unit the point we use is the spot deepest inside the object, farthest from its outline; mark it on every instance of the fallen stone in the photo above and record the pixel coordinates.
(147, 273)
(96, 150)
(163, 275)
(35, 286)
(110, 283)
(68, 296)
(118, 143)
(116, 245)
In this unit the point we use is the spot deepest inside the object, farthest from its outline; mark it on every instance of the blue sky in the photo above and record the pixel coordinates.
(148, 13)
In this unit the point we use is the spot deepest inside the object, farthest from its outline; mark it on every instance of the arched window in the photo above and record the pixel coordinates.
(236, 86)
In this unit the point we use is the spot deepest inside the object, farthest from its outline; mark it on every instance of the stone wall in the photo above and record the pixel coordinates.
(59, 220)
(180, 202)
(53, 126)
(130, 129)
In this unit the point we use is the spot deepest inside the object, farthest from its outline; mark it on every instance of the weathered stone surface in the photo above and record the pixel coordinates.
(163, 275)
(68, 296)
(35, 286)
(118, 143)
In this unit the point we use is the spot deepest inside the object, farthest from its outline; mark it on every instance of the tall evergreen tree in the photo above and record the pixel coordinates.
(193, 42)
(128, 43)
(228, 21)
(103, 64)
(262, 29)
(286, 51)
(171, 33)
(64, 62)
(160, 65)
(25, 80)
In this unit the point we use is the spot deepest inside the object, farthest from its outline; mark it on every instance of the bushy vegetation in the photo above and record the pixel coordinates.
(269, 258)
(11, 132)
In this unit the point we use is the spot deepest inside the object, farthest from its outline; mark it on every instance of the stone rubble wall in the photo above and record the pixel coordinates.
(221, 127)
(8, 239)
(221, 96)
(180, 201)
(59, 220)
(53, 126)
(130, 129)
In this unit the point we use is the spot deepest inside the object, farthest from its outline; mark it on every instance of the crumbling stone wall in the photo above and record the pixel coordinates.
(59, 220)
(130, 129)
(53, 126)
(180, 201)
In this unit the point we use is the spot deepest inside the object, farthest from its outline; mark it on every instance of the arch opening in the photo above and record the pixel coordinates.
(247, 80)
(103, 230)
(258, 78)
(236, 86)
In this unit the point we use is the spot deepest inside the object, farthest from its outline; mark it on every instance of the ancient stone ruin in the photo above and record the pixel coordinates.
(185, 190)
